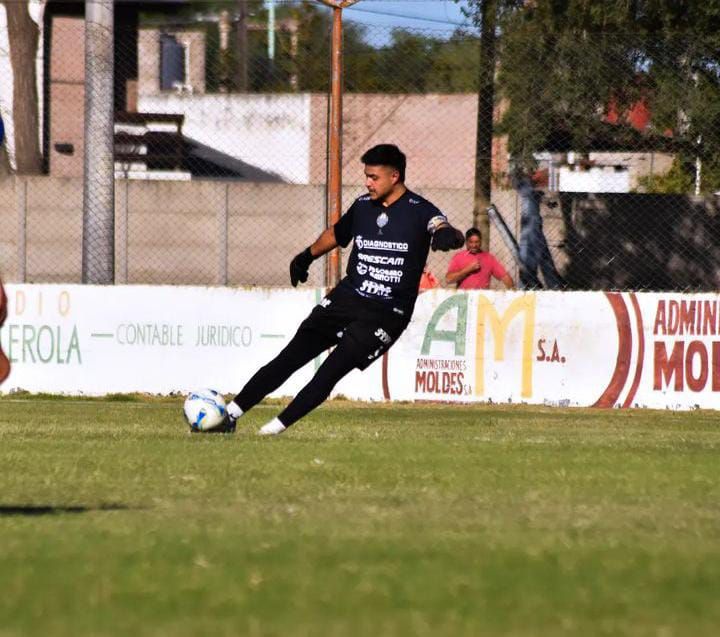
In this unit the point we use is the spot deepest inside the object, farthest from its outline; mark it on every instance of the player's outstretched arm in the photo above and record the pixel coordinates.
(300, 264)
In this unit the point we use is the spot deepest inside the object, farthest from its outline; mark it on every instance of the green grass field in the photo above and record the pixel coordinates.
(361, 520)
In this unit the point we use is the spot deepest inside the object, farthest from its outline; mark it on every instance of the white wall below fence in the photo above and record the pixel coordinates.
(561, 348)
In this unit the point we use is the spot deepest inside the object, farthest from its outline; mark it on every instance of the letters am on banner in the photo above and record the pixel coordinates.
(580, 348)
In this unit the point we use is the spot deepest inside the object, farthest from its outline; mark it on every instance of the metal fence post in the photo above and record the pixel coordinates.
(122, 227)
(334, 185)
(98, 254)
(222, 221)
(21, 203)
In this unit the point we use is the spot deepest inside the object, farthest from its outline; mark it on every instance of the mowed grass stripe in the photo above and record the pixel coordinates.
(364, 519)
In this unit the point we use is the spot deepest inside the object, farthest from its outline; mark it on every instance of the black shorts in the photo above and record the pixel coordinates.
(362, 327)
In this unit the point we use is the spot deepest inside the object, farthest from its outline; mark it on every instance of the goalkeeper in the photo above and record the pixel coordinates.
(392, 230)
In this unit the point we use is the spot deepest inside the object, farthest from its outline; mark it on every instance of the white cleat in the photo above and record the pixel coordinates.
(273, 428)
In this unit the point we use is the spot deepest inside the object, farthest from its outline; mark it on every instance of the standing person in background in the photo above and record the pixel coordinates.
(428, 281)
(534, 251)
(472, 269)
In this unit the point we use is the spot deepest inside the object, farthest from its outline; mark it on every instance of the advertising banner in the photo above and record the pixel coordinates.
(565, 348)
(561, 348)
(156, 339)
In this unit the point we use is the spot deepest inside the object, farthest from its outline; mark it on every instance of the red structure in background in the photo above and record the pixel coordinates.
(638, 115)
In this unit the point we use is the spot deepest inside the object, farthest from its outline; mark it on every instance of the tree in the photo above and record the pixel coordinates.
(23, 35)
(485, 15)
(565, 65)
(684, 79)
(454, 65)
(312, 62)
(562, 65)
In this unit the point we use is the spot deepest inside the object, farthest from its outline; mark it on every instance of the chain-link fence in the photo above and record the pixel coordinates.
(604, 162)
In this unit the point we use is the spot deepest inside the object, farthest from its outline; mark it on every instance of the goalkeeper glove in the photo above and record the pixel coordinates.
(299, 267)
(447, 238)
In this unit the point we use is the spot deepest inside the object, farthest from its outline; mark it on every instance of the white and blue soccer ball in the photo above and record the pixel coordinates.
(204, 409)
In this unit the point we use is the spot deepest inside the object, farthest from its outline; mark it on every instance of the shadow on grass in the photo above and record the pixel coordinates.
(8, 510)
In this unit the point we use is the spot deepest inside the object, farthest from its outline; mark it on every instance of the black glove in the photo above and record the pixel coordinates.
(447, 238)
(299, 267)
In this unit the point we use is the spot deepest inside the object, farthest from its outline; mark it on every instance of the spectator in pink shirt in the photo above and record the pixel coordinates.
(471, 269)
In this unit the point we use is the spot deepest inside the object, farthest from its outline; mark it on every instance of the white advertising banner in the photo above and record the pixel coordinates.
(155, 339)
(562, 348)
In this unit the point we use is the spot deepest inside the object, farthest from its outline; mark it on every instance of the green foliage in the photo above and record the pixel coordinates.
(562, 64)
(454, 66)
(410, 63)
(565, 65)
(362, 520)
(680, 179)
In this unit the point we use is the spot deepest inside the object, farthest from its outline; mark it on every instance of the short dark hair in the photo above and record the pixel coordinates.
(473, 232)
(386, 155)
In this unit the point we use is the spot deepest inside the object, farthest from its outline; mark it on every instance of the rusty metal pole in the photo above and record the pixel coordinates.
(334, 184)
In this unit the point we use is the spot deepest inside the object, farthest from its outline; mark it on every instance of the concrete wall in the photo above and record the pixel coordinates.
(270, 132)
(436, 132)
(67, 96)
(287, 134)
(199, 232)
(148, 62)
(226, 232)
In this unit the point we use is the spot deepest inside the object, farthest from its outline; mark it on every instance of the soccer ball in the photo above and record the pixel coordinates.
(204, 409)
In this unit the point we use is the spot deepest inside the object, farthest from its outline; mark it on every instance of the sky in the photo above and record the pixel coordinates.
(438, 17)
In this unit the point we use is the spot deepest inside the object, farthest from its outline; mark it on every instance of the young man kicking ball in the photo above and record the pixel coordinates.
(392, 230)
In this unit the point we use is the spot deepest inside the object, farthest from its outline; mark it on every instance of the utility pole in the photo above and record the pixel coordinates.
(487, 18)
(334, 185)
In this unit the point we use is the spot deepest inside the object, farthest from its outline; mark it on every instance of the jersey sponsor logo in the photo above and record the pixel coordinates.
(388, 276)
(379, 259)
(383, 335)
(375, 289)
(376, 244)
(364, 198)
(325, 302)
(362, 269)
(415, 202)
(382, 221)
